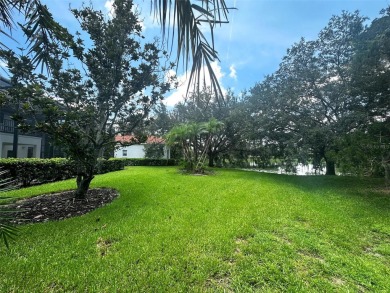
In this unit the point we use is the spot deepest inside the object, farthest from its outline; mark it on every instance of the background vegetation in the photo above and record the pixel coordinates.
(327, 105)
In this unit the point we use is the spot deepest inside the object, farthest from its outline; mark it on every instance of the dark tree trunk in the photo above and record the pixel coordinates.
(387, 180)
(211, 159)
(83, 182)
(330, 167)
(386, 166)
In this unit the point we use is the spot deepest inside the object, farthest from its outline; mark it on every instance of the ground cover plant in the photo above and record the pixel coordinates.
(232, 231)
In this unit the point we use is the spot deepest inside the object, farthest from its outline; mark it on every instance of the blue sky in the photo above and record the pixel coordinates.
(261, 31)
(257, 37)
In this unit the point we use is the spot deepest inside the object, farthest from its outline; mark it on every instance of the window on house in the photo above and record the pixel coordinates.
(124, 153)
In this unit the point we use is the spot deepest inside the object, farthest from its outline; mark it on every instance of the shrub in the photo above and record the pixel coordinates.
(106, 166)
(154, 151)
(149, 162)
(37, 171)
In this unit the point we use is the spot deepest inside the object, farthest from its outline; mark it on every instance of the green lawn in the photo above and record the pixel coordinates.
(233, 231)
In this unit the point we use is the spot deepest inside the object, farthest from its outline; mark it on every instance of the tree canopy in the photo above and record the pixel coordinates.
(188, 18)
(324, 91)
(83, 111)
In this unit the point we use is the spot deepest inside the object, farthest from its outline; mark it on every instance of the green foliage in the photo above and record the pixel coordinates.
(25, 171)
(42, 32)
(122, 79)
(366, 153)
(235, 231)
(38, 171)
(7, 230)
(148, 162)
(154, 151)
(195, 140)
(201, 108)
(188, 19)
(110, 165)
(358, 155)
(370, 70)
(303, 110)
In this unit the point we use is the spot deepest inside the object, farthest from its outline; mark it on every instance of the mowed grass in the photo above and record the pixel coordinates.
(233, 231)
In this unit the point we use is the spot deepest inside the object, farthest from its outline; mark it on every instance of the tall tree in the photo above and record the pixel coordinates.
(370, 68)
(202, 107)
(188, 18)
(371, 84)
(123, 80)
(308, 100)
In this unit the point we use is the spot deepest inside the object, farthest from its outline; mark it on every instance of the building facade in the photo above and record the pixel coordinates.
(136, 150)
(26, 145)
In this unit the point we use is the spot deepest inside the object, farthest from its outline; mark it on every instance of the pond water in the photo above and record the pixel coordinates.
(301, 170)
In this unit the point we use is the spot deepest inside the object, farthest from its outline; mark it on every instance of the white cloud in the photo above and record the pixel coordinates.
(179, 94)
(233, 72)
(110, 8)
(3, 64)
(109, 5)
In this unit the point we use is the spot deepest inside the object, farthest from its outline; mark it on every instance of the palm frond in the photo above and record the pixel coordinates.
(7, 230)
(187, 19)
(6, 18)
(42, 31)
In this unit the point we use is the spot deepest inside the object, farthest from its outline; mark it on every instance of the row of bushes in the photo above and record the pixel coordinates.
(37, 171)
(27, 171)
(148, 162)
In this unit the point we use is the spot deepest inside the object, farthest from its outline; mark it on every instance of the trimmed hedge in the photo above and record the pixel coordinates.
(26, 171)
(149, 162)
(32, 170)
(110, 165)
(37, 171)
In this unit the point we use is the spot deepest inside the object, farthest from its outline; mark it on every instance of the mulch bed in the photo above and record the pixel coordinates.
(59, 206)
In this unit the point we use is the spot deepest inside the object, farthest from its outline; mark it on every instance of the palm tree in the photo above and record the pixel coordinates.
(209, 128)
(184, 135)
(42, 31)
(195, 140)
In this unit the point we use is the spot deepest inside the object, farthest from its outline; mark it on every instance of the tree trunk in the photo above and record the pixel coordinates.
(330, 167)
(387, 181)
(211, 157)
(211, 160)
(386, 166)
(83, 182)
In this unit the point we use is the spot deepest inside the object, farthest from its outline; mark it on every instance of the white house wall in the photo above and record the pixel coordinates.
(137, 151)
(133, 151)
(24, 143)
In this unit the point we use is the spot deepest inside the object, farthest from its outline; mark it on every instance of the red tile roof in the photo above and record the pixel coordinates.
(134, 140)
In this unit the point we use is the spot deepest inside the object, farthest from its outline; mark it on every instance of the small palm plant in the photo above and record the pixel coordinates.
(195, 140)
(209, 130)
(7, 230)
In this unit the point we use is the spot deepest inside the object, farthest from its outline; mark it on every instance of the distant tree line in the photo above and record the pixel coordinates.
(327, 104)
